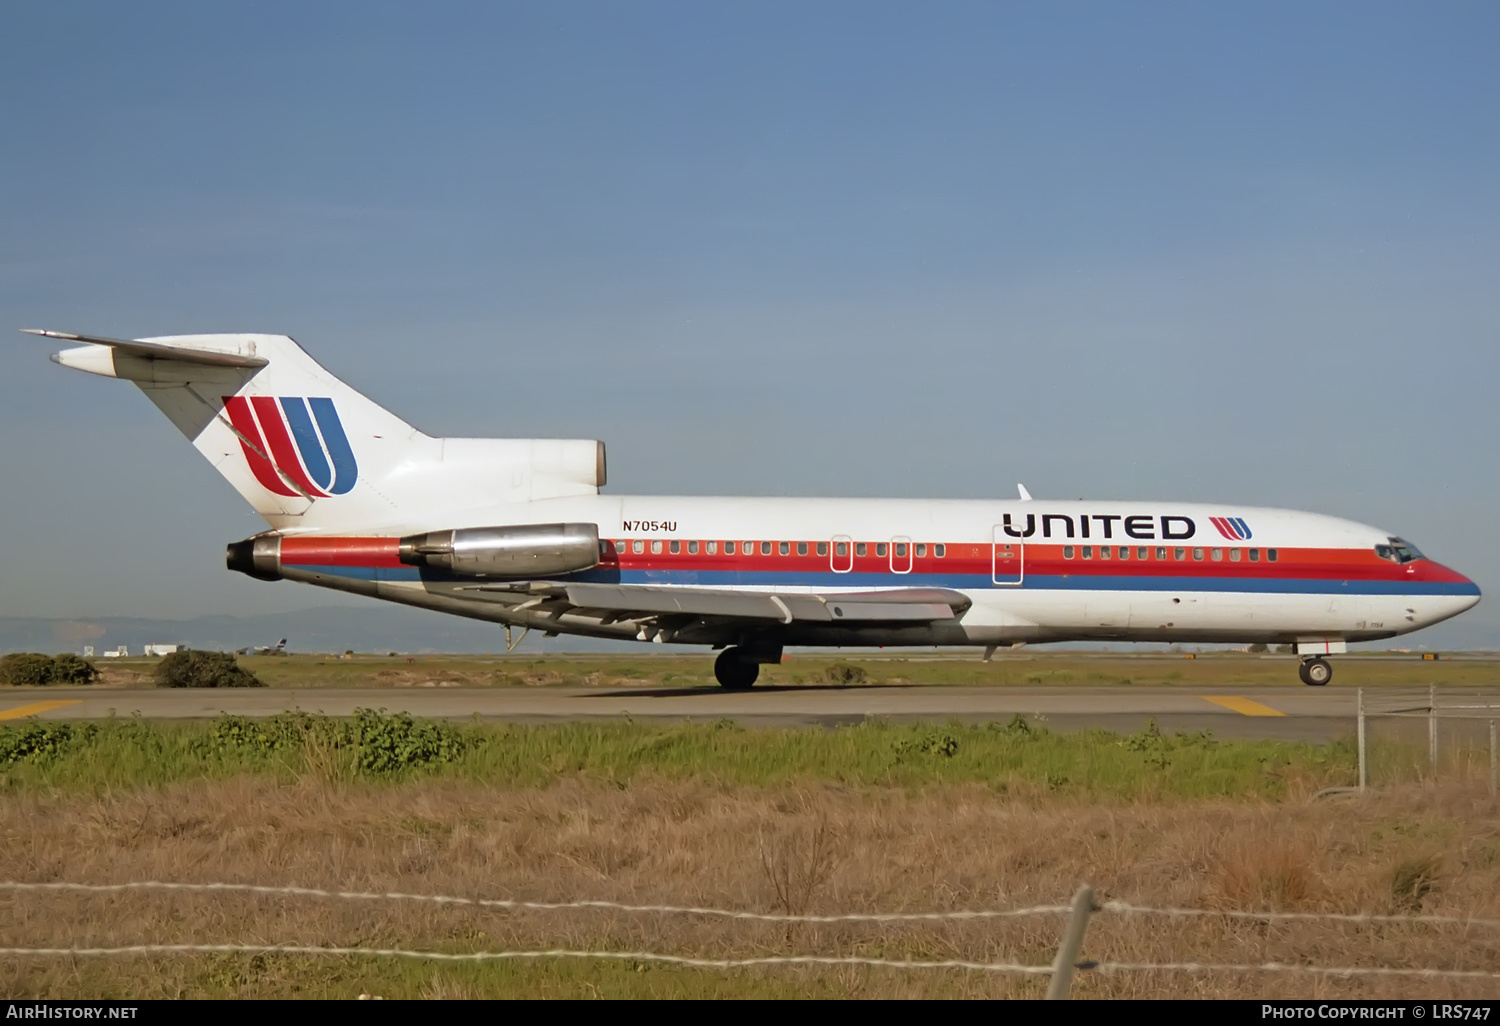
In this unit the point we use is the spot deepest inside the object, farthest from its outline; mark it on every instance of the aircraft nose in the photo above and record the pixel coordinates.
(1465, 594)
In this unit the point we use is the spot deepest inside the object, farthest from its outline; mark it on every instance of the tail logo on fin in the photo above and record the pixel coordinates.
(294, 446)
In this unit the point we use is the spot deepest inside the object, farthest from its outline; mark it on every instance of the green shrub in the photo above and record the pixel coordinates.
(68, 668)
(284, 732)
(26, 668)
(382, 742)
(395, 741)
(844, 673)
(33, 668)
(1018, 726)
(39, 740)
(931, 743)
(203, 670)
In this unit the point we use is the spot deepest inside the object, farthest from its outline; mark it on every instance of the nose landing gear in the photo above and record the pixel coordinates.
(1315, 671)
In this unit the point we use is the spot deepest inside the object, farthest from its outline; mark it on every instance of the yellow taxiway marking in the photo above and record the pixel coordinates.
(35, 708)
(1243, 706)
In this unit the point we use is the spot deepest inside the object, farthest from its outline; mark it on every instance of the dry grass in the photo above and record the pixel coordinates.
(814, 847)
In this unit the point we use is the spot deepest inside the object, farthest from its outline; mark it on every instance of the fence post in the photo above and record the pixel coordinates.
(1360, 698)
(1493, 780)
(1067, 953)
(1432, 729)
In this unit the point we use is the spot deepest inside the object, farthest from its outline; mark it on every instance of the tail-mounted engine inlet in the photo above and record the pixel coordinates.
(258, 557)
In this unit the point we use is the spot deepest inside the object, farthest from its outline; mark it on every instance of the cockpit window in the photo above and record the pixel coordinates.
(1399, 551)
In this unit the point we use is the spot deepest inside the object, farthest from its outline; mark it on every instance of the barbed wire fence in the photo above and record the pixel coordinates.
(1060, 972)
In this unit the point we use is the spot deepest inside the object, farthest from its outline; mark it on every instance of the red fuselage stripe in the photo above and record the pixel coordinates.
(965, 559)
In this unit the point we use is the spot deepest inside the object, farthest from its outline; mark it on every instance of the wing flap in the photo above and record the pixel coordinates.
(908, 604)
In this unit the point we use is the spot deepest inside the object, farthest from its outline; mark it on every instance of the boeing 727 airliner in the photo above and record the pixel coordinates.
(515, 531)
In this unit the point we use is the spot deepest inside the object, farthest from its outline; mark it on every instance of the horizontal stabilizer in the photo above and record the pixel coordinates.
(160, 351)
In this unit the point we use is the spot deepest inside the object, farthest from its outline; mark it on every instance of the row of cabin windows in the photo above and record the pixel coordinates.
(1145, 552)
(711, 548)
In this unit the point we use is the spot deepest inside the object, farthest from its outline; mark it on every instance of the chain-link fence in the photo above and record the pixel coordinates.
(1417, 734)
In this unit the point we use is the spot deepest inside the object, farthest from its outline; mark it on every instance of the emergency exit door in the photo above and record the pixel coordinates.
(1008, 559)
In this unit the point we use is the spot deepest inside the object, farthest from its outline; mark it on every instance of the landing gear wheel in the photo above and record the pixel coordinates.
(733, 672)
(1316, 672)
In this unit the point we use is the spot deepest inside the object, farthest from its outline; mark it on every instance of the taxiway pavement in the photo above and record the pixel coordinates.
(1286, 713)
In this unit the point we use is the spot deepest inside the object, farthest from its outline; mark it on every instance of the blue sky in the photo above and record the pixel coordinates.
(1241, 253)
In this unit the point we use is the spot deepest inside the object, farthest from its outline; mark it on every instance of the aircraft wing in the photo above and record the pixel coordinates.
(632, 602)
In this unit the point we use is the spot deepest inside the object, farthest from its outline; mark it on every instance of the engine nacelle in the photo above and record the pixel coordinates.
(258, 557)
(525, 551)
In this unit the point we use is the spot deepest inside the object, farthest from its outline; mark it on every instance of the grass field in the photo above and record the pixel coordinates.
(1023, 668)
(805, 848)
(1018, 758)
(874, 817)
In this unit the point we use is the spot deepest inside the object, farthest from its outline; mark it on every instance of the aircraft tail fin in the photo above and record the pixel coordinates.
(307, 451)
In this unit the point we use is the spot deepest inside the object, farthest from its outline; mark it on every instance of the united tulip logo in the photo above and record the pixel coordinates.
(1233, 528)
(294, 446)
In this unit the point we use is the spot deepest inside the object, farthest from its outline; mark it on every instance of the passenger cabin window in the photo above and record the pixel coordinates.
(765, 548)
(921, 550)
(1161, 554)
(1270, 555)
(1179, 553)
(823, 549)
(1218, 555)
(860, 548)
(1067, 552)
(1088, 552)
(1104, 551)
(880, 548)
(802, 548)
(711, 548)
(1255, 555)
(1234, 555)
(692, 548)
(839, 548)
(637, 547)
(1197, 553)
(901, 549)
(785, 548)
(729, 548)
(940, 551)
(675, 547)
(1124, 552)
(656, 548)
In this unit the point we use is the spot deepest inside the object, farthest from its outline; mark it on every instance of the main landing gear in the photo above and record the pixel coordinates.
(739, 665)
(734, 672)
(1315, 671)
